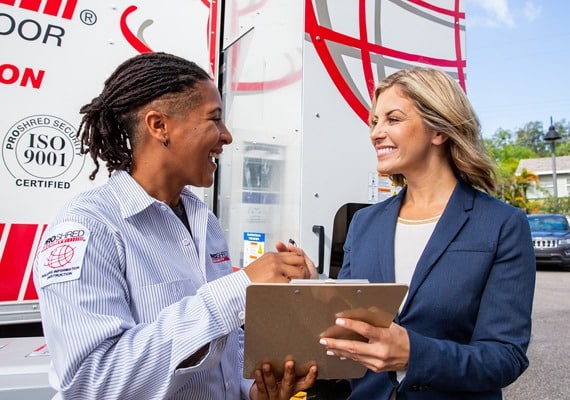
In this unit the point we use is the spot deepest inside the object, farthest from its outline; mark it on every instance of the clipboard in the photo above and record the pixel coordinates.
(285, 321)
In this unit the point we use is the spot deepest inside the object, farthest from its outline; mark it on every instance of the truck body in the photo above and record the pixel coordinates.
(296, 77)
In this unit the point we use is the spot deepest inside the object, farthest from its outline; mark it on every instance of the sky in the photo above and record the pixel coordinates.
(518, 62)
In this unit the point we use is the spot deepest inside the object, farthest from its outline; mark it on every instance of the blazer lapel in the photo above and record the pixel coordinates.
(451, 221)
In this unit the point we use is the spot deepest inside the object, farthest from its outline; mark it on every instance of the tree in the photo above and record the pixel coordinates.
(507, 149)
(512, 188)
(531, 136)
(520, 186)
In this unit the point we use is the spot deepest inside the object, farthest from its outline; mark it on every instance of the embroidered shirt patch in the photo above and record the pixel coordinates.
(60, 255)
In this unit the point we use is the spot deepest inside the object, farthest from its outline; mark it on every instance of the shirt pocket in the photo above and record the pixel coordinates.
(471, 246)
(152, 299)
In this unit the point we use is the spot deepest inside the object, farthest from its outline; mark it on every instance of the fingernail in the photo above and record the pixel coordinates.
(342, 358)
(323, 342)
(330, 353)
(340, 322)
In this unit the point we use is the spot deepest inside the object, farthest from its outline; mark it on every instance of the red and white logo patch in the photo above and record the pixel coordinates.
(61, 253)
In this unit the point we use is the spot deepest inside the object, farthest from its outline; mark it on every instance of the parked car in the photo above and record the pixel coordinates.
(551, 239)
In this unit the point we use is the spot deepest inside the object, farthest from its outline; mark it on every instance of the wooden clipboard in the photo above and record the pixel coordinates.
(285, 321)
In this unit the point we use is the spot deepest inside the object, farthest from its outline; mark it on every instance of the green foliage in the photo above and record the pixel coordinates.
(556, 206)
(507, 148)
(563, 149)
(531, 136)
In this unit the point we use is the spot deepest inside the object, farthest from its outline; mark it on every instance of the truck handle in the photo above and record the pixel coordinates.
(320, 230)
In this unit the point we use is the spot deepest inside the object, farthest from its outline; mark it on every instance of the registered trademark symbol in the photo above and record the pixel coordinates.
(88, 17)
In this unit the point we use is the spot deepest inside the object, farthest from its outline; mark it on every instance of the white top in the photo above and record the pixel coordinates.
(410, 241)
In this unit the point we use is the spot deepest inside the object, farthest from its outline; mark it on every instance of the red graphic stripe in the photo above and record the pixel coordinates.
(32, 5)
(268, 85)
(15, 259)
(326, 33)
(2, 225)
(134, 41)
(31, 293)
(460, 70)
(52, 7)
(454, 13)
(311, 27)
(320, 34)
(213, 33)
(69, 9)
(457, 16)
(365, 56)
(274, 84)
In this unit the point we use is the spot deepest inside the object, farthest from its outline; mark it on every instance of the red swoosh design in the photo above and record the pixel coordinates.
(320, 35)
(131, 38)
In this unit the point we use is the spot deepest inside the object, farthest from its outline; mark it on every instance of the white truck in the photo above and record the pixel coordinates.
(296, 78)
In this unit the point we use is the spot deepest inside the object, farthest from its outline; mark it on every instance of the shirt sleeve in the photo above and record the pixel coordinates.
(98, 349)
(245, 383)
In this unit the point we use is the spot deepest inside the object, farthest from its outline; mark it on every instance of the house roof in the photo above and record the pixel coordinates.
(543, 166)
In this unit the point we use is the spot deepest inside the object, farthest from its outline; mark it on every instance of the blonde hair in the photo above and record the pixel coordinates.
(444, 107)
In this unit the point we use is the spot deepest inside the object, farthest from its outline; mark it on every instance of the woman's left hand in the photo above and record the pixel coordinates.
(387, 349)
(267, 387)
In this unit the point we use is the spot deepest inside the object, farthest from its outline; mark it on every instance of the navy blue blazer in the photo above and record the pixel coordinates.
(468, 311)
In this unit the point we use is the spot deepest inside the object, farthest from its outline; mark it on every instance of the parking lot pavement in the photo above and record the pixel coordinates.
(547, 377)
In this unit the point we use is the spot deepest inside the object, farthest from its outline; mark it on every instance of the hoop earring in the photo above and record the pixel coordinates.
(166, 142)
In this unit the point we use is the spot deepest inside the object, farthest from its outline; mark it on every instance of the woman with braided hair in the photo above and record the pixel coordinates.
(137, 296)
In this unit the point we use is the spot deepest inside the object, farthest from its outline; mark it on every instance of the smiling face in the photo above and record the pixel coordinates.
(402, 142)
(196, 138)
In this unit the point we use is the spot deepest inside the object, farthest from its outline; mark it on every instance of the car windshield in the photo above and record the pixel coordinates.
(550, 224)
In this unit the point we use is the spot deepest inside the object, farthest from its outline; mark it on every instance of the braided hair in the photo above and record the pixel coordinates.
(110, 119)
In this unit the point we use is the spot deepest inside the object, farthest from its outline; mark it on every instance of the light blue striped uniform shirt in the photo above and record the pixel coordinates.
(149, 295)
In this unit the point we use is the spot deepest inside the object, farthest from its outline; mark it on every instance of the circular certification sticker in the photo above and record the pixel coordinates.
(43, 147)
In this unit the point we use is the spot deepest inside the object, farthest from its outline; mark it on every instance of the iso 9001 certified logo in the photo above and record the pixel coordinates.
(43, 151)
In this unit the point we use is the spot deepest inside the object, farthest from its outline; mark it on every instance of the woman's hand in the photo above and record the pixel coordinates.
(386, 349)
(267, 387)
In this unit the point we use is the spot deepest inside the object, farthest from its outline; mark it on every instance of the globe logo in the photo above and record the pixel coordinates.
(60, 256)
(382, 37)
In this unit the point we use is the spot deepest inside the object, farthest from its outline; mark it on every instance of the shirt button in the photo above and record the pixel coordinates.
(241, 315)
(163, 207)
(227, 386)
(185, 242)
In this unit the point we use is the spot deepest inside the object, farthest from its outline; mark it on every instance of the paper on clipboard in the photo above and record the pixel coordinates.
(285, 321)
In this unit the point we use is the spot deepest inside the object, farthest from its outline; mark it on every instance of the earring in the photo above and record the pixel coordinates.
(166, 142)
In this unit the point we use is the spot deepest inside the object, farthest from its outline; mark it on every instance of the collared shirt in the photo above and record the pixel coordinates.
(127, 294)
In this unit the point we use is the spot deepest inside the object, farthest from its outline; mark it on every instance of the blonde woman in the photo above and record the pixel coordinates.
(463, 330)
